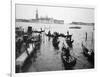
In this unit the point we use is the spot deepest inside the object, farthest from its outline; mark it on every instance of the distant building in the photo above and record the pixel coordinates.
(45, 20)
(82, 23)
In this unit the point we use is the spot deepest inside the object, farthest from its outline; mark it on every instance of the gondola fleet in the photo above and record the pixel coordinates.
(68, 60)
(29, 38)
(27, 44)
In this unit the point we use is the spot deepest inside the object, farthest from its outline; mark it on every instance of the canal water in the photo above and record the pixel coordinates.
(49, 59)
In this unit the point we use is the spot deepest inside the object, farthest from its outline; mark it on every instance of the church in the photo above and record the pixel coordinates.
(45, 20)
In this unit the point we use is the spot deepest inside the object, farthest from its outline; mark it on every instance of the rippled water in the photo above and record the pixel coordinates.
(78, 34)
(48, 60)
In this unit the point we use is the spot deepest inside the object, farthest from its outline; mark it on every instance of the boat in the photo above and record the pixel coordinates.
(62, 35)
(55, 42)
(69, 40)
(75, 27)
(68, 60)
(88, 53)
(70, 43)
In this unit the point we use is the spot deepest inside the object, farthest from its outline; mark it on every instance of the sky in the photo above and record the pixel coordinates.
(68, 14)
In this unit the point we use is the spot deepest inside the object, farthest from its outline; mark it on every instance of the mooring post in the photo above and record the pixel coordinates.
(85, 36)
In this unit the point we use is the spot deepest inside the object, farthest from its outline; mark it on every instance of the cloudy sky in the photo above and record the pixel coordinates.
(68, 14)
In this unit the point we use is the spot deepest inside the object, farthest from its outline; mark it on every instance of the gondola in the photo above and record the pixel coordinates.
(38, 31)
(88, 53)
(50, 35)
(69, 40)
(70, 43)
(55, 43)
(68, 60)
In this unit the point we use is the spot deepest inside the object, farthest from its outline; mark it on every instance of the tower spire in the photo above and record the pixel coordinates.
(36, 13)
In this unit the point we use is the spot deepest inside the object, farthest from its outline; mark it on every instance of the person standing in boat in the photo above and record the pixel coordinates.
(69, 40)
(68, 36)
(49, 34)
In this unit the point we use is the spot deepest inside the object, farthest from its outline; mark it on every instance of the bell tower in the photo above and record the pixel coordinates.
(36, 13)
